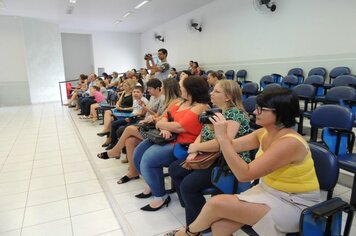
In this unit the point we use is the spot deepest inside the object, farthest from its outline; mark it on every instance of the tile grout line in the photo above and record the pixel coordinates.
(125, 226)
(33, 160)
(64, 176)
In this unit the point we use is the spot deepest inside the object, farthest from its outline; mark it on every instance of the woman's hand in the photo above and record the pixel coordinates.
(192, 156)
(220, 126)
(165, 134)
(193, 147)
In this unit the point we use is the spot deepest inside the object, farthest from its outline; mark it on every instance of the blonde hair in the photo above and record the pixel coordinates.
(233, 92)
(131, 83)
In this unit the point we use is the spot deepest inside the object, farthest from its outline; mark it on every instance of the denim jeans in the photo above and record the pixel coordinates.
(149, 160)
(189, 185)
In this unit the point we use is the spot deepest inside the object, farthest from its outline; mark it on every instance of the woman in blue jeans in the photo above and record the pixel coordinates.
(150, 158)
(190, 183)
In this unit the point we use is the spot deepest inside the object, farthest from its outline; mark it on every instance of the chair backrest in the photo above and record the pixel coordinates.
(250, 89)
(297, 72)
(344, 80)
(305, 90)
(230, 74)
(326, 166)
(272, 86)
(341, 92)
(318, 82)
(337, 71)
(315, 80)
(241, 74)
(332, 116)
(250, 104)
(289, 81)
(267, 79)
(318, 71)
(220, 71)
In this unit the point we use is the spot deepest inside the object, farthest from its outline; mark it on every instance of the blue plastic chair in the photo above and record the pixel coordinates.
(289, 81)
(265, 80)
(306, 93)
(297, 72)
(337, 71)
(318, 71)
(330, 116)
(324, 218)
(241, 77)
(230, 75)
(344, 80)
(250, 89)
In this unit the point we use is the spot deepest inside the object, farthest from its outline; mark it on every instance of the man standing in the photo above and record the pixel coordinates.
(161, 70)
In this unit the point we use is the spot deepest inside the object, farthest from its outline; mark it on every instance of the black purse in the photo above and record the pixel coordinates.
(149, 131)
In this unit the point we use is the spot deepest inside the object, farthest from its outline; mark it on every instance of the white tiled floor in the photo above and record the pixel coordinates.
(51, 182)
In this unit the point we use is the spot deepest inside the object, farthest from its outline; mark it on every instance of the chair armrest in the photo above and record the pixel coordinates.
(340, 130)
(328, 208)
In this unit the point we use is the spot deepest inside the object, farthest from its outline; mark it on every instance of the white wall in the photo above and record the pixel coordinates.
(116, 51)
(300, 33)
(44, 59)
(77, 55)
(14, 88)
(31, 62)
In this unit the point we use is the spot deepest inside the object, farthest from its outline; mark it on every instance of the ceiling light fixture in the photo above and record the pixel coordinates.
(73, 1)
(127, 14)
(117, 22)
(141, 4)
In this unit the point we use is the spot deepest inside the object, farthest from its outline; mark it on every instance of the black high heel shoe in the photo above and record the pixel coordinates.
(149, 208)
(103, 134)
(143, 195)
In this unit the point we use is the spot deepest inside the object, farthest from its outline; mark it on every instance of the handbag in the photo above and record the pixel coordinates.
(153, 134)
(155, 137)
(223, 178)
(202, 161)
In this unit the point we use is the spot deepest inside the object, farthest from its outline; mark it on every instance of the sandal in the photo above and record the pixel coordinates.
(126, 179)
(103, 155)
(172, 233)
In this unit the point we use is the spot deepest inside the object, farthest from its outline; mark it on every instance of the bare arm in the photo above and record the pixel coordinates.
(213, 145)
(280, 153)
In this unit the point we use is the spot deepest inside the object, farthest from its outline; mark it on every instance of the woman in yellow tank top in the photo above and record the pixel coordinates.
(283, 162)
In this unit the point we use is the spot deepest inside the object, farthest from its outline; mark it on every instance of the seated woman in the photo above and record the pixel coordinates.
(124, 104)
(283, 162)
(195, 68)
(132, 137)
(190, 183)
(150, 158)
(80, 88)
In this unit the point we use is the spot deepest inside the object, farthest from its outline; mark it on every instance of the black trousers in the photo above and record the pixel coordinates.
(189, 185)
(87, 105)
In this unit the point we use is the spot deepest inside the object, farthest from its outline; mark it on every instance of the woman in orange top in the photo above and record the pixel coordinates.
(150, 158)
(288, 179)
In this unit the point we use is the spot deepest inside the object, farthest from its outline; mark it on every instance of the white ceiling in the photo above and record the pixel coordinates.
(100, 15)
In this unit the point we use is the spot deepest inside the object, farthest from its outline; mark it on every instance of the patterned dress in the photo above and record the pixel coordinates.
(231, 114)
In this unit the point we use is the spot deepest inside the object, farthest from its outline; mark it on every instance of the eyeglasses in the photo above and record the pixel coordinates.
(260, 109)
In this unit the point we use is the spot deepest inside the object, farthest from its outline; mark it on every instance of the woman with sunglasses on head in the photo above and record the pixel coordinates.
(283, 162)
